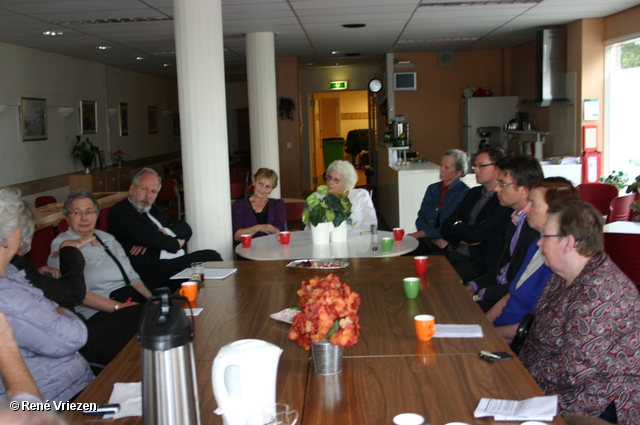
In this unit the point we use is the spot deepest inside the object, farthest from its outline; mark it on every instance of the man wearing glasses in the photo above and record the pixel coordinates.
(515, 174)
(476, 229)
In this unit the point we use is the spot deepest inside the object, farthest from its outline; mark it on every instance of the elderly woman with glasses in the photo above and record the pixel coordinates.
(583, 345)
(439, 202)
(107, 267)
(49, 336)
(342, 177)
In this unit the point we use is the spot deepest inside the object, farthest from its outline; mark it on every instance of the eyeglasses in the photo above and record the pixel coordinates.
(330, 179)
(545, 237)
(87, 213)
(503, 184)
(475, 167)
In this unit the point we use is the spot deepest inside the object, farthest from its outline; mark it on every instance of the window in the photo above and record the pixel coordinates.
(623, 108)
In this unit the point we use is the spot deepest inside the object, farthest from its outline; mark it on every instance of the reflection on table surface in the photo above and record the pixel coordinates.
(360, 244)
(386, 373)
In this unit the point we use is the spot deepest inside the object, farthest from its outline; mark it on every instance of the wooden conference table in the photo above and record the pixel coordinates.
(359, 244)
(386, 373)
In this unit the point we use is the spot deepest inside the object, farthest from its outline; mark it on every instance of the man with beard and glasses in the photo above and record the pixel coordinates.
(154, 242)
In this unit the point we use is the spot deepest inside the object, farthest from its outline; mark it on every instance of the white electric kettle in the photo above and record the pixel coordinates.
(244, 379)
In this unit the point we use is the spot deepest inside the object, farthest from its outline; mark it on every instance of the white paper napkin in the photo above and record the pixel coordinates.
(458, 331)
(532, 409)
(129, 396)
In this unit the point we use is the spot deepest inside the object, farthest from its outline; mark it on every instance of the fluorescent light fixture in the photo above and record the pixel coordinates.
(440, 40)
(480, 3)
(103, 47)
(52, 33)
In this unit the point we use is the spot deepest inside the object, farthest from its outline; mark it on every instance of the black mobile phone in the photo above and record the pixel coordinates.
(495, 356)
(103, 409)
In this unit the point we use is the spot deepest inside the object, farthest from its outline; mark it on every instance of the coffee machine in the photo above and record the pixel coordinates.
(490, 137)
(400, 131)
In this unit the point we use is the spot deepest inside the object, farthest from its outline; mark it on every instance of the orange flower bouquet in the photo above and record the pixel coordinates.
(328, 311)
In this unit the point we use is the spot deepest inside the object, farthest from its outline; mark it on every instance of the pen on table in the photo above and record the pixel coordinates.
(490, 354)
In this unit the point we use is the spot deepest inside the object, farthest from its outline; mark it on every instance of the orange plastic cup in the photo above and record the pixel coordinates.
(425, 325)
(189, 290)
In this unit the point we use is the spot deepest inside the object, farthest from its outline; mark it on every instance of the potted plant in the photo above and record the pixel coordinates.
(635, 207)
(85, 151)
(618, 179)
(328, 321)
(117, 158)
(325, 213)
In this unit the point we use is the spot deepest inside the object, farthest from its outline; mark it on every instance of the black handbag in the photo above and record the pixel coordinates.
(522, 333)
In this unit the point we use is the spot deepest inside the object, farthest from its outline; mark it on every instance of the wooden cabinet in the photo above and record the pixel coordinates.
(108, 180)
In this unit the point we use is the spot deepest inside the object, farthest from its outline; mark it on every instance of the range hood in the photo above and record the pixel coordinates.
(551, 68)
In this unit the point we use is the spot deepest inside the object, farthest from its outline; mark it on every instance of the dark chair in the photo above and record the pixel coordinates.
(169, 198)
(522, 333)
(599, 195)
(241, 176)
(620, 208)
(41, 246)
(357, 143)
(624, 250)
(41, 201)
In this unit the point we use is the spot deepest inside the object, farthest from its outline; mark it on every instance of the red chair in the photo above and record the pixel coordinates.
(599, 195)
(294, 210)
(169, 198)
(239, 176)
(63, 226)
(237, 190)
(41, 246)
(103, 220)
(624, 250)
(41, 201)
(620, 208)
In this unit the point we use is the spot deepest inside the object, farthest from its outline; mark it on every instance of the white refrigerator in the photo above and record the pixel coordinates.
(485, 112)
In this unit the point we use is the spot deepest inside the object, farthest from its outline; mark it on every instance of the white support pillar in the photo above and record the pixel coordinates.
(203, 124)
(263, 103)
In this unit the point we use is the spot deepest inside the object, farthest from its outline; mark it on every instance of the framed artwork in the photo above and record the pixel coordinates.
(152, 113)
(88, 117)
(123, 114)
(33, 119)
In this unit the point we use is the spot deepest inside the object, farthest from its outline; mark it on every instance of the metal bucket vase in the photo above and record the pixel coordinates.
(327, 358)
(320, 233)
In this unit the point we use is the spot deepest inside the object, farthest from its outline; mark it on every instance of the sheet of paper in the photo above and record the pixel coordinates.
(458, 331)
(209, 273)
(532, 409)
(129, 396)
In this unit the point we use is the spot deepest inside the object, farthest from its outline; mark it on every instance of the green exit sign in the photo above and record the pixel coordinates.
(338, 85)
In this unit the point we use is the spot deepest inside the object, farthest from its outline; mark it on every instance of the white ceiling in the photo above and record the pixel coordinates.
(309, 29)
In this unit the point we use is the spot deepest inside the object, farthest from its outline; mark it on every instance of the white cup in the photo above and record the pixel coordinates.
(408, 419)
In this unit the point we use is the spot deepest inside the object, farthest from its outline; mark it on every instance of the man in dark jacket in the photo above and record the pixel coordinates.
(515, 174)
(153, 241)
(476, 229)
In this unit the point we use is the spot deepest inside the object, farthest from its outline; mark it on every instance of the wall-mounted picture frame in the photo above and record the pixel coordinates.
(33, 119)
(152, 113)
(88, 117)
(123, 114)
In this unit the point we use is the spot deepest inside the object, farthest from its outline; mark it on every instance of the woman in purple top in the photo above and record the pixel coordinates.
(258, 215)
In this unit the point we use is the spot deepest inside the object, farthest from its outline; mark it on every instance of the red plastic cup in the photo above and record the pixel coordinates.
(398, 234)
(421, 263)
(246, 240)
(284, 237)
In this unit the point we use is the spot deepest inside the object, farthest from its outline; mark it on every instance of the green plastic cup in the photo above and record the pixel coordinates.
(411, 286)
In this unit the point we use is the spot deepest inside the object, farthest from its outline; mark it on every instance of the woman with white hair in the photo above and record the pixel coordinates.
(49, 336)
(342, 178)
(440, 200)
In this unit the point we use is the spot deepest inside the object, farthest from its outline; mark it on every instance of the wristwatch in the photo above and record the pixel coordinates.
(116, 306)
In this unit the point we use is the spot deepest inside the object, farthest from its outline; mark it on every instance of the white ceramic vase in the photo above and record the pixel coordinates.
(338, 234)
(320, 233)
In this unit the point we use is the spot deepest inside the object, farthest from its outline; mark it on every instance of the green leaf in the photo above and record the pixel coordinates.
(334, 328)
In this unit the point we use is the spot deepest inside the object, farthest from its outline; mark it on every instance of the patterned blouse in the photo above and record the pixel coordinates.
(585, 343)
